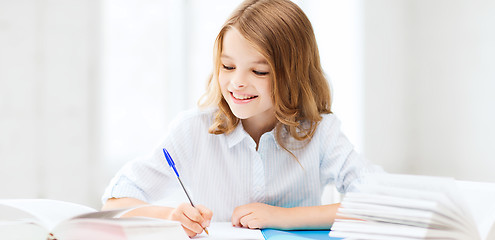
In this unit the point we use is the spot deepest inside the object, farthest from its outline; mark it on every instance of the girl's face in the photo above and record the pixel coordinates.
(245, 79)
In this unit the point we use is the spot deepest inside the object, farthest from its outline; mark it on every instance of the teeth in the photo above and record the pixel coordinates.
(242, 97)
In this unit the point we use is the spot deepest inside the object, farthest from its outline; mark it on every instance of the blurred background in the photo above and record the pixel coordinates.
(86, 86)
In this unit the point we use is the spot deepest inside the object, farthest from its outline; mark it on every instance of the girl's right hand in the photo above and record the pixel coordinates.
(193, 219)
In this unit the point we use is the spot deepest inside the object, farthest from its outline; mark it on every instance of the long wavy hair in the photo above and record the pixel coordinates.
(283, 34)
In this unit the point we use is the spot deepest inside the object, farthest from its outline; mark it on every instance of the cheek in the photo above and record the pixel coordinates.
(268, 92)
(223, 80)
(267, 89)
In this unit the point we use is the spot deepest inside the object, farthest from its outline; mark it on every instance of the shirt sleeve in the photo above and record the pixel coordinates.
(340, 163)
(147, 178)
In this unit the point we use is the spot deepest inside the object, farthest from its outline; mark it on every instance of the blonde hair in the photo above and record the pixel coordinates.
(283, 34)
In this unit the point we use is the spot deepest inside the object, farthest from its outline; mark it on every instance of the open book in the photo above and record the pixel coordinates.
(51, 219)
(394, 206)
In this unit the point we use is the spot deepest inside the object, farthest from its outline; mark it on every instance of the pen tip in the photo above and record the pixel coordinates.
(206, 231)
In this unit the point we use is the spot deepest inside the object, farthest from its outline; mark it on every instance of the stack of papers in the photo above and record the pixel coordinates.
(393, 206)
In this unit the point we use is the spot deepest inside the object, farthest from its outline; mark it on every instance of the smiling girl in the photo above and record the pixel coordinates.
(265, 142)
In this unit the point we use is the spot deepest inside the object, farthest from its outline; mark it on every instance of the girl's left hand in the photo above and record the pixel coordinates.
(260, 215)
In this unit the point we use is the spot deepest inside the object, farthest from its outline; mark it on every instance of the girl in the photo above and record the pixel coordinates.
(264, 145)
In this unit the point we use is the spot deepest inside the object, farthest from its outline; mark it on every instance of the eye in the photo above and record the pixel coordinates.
(227, 67)
(259, 73)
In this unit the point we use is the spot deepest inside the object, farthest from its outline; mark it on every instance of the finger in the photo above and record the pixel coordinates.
(238, 213)
(180, 214)
(255, 224)
(194, 214)
(191, 225)
(247, 219)
(206, 213)
(244, 220)
(189, 232)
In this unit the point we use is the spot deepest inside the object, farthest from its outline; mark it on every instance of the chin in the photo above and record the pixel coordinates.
(241, 114)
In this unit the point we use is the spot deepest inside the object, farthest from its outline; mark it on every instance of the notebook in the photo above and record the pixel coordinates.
(273, 234)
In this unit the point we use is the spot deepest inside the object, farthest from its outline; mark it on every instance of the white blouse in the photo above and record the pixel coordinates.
(225, 171)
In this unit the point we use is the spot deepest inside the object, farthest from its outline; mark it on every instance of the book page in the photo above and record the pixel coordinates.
(115, 213)
(225, 230)
(431, 185)
(366, 230)
(119, 228)
(9, 213)
(48, 212)
(22, 229)
(408, 199)
(427, 184)
(480, 200)
(491, 233)
(399, 203)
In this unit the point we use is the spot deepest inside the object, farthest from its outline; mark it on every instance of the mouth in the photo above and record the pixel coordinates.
(242, 96)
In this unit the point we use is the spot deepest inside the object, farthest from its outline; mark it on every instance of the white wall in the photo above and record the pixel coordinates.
(133, 87)
(386, 95)
(453, 80)
(430, 78)
(48, 72)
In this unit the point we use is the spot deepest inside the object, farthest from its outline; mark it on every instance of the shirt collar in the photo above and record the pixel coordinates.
(239, 134)
(236, 136)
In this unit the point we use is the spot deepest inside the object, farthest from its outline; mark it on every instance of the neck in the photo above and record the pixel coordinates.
(256, 127)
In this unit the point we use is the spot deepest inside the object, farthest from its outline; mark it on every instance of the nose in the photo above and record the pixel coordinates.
(238, 81)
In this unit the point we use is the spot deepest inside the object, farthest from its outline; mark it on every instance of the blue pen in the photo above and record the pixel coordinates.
(172, 165)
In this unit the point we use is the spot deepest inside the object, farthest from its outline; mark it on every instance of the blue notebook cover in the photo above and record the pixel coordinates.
(273, 234)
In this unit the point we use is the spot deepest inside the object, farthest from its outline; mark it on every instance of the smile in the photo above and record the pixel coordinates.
(241, 98)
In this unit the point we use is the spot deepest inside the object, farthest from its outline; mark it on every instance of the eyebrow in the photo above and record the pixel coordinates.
(262, 61)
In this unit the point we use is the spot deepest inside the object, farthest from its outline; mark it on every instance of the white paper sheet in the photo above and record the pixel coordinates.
(225, 230)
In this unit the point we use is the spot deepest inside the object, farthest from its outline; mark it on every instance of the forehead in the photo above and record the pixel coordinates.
(237, 47)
